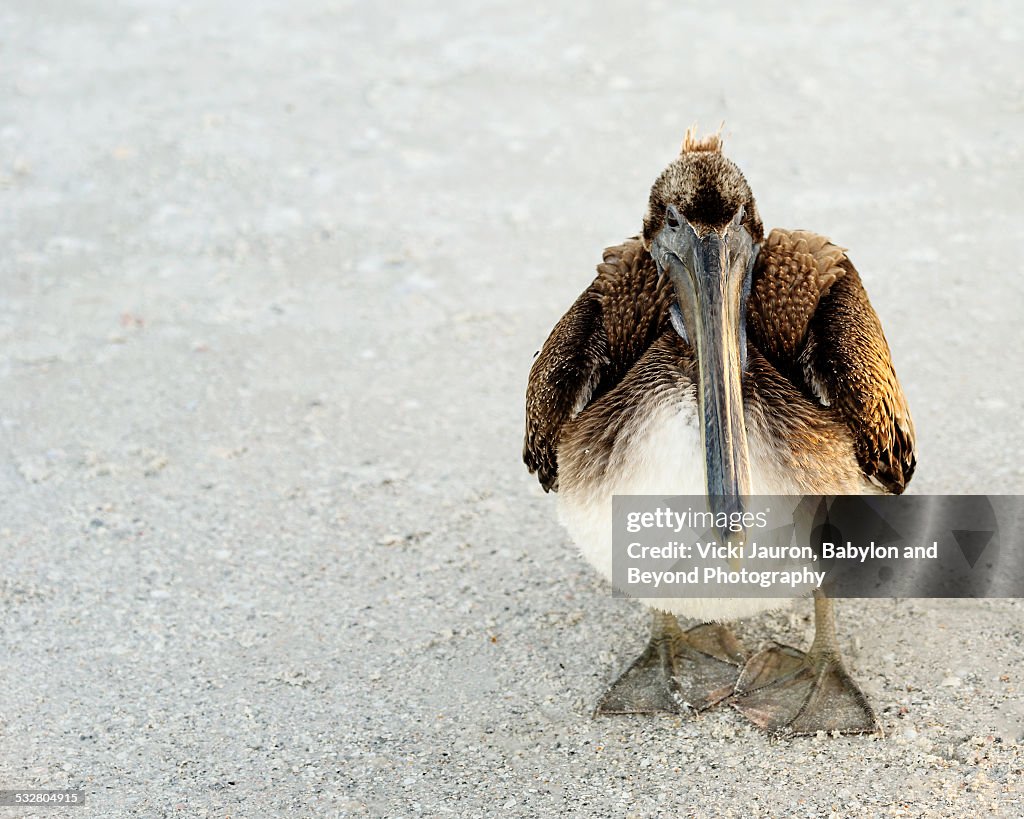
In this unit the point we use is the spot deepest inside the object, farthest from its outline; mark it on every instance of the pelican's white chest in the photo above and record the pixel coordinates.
(659, 452)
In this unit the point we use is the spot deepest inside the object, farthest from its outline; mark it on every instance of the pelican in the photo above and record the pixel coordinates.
(706, 359)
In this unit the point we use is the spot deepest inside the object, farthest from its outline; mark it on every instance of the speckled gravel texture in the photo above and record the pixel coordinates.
(272, 280)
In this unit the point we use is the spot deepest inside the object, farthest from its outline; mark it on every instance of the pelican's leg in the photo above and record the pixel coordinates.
(786, 691)
(678, 670)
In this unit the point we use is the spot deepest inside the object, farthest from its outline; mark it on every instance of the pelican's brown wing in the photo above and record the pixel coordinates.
(809, 314)
(591, 349)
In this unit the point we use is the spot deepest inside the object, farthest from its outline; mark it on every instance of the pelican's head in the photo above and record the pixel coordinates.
(702, 230)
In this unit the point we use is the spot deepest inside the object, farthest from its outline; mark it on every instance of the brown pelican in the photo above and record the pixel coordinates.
(706, 359)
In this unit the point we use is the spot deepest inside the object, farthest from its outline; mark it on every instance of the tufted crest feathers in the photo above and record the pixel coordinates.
(710, 144)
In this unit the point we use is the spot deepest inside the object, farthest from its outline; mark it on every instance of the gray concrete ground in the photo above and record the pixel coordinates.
(273, 276)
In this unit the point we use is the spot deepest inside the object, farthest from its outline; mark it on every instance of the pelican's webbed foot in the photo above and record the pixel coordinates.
(678, 671)
(789, 692)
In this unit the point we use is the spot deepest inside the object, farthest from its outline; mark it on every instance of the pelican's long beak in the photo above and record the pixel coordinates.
(711, 277)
